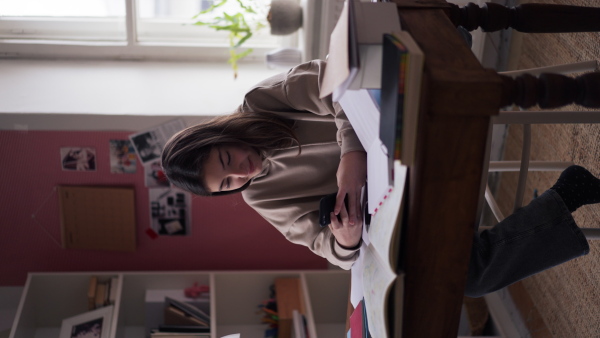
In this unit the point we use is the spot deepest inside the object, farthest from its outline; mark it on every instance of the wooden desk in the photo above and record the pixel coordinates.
(458, 98)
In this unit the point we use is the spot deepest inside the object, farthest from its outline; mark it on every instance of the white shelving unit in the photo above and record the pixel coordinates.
(48, 298)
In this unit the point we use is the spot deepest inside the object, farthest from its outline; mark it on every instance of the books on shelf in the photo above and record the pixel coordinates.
(300, 328)
(355, 50)
(179, 334)
(170, 311)
(188, 310)
(175, 316)
(92, 292)
(402, 70)
(102, 292)
(101, 295)
(175, 331)
(288, 295)
(112, 290)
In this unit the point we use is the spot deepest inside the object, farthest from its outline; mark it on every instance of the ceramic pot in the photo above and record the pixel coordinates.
(285, 17)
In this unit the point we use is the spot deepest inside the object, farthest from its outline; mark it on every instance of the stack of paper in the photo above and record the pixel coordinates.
(355, 48)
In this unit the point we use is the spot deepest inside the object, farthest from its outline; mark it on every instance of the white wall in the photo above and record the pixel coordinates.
(36, 94)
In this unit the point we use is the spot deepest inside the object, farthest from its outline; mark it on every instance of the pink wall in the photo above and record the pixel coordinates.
(226, 233)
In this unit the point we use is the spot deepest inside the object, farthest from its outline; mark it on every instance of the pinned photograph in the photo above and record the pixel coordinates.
(148, 144)
(154, 176)
(122, 157)
(78, 158)
(93, 324)
(170, 211)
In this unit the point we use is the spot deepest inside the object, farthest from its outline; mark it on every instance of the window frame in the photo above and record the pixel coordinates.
(213, 48)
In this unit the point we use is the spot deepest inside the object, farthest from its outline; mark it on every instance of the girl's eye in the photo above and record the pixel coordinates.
(228, 158)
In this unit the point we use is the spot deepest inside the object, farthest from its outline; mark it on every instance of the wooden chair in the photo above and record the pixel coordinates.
(535, 117)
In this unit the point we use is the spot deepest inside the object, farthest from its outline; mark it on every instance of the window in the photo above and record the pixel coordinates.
(121, 29)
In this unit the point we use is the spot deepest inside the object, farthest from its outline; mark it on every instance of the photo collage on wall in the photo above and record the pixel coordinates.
(170, 207)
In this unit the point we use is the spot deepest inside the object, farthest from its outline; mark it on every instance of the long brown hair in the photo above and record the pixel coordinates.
(184, 154)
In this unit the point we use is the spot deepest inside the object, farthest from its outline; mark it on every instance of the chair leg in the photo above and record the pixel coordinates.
(504, 166)
(546, 117)
(524, 167)
(591, 233)
(493, 205)
(569, 68)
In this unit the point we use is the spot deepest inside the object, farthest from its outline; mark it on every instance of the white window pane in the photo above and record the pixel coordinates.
(186, 9)
(171, 21)
(178, 9)
(63, 8)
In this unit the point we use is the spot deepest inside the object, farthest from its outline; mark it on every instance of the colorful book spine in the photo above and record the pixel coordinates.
(402, 66)
(401, 90)
(394, 76)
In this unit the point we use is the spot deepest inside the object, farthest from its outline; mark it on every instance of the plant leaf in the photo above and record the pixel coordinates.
(242, 40)
(248, 9)
(211, 8)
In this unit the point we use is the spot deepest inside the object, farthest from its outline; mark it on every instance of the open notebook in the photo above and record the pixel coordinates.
(374, 274)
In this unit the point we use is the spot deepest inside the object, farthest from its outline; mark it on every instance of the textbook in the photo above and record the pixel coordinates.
(362, 109)
(402, 70)
(380, 259)
(355, 49)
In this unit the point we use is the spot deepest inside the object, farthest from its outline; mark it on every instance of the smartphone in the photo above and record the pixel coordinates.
(326, 206)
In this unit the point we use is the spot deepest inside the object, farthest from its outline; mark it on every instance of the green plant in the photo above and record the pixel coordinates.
(241, 23)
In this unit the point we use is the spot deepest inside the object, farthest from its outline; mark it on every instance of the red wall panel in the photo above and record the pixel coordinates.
(226, 233)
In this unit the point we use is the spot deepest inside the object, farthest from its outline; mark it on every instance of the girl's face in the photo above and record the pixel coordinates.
(229, 167)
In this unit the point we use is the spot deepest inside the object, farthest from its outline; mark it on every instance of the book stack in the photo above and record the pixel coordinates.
(182, 320)
(355, 50)
(401, 73)
(102, 292)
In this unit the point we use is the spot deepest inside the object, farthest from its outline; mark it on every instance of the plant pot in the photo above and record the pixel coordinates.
(285, 17)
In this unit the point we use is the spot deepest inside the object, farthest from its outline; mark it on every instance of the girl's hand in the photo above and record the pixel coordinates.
(347, 235)
(351, 177)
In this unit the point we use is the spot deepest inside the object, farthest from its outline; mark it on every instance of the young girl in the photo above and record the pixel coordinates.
(284, 148)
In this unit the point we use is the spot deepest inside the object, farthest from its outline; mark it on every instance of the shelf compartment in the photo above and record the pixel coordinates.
(48, 299)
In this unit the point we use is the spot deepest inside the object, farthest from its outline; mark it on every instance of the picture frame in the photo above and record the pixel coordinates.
(92, 324)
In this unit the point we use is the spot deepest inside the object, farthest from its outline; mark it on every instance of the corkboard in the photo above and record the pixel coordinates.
(97, 218)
